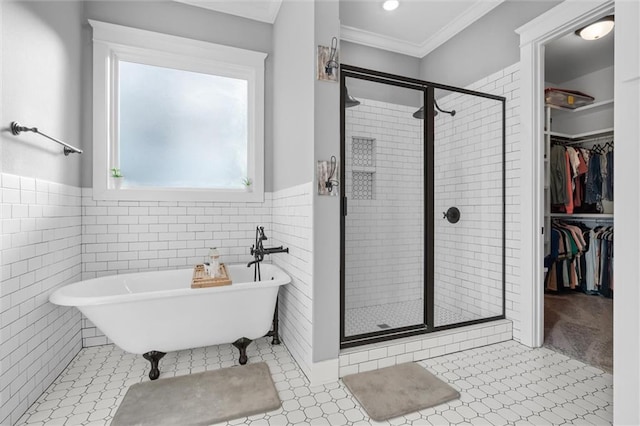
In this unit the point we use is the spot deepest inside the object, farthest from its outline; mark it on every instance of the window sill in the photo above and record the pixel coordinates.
(182, 194)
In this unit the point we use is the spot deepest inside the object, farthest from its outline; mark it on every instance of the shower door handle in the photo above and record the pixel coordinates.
(344, 206)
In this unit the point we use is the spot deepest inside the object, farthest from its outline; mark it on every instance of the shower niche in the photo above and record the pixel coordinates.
(362, 158)
(411, 150)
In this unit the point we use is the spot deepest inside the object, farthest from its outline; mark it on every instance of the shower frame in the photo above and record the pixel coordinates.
(428, 89)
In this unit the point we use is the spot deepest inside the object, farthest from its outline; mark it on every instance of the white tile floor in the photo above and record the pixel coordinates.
(500, 384)
(395, 315)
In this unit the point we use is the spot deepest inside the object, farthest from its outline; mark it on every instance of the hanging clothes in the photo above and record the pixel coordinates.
(581, 258)
(593, 193)
(558, 176)
(580, 178)
(609, 186)
(568, 205)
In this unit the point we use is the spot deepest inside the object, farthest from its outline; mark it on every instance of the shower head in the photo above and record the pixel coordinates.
(419, 114)
(350, 101)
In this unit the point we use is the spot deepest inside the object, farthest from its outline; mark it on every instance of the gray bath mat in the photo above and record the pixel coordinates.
(200, 399)
(398, 390)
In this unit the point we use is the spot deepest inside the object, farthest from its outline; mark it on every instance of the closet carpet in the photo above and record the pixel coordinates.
(580, 326)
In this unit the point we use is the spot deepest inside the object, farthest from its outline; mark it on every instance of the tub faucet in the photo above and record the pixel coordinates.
(258, 251)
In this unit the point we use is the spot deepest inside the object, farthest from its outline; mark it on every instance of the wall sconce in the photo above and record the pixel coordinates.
(327, 177)
(328, 65)
(332, 63)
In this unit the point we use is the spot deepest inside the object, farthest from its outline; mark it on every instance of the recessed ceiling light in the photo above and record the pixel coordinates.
(390, 5)
(598, 29)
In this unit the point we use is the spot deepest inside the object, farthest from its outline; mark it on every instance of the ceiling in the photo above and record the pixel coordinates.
(418, 27)
(415, 28)
(570, 57)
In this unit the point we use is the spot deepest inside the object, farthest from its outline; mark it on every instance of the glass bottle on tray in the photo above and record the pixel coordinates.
(214, 263)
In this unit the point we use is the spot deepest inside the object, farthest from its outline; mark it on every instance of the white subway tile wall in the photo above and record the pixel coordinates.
(41, 238)
(292, 221)
(385, 221)
(410, 349)
(507, 83)
(129, 236)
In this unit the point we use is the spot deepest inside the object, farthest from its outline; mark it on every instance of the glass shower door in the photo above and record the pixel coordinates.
(383, 229)
(468, 183)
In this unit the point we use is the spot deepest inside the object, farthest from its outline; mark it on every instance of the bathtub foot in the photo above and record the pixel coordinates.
(274, 332)
(242, 344)
(154, 358)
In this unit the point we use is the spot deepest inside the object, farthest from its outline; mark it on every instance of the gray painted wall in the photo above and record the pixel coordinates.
(488, 45)
(326, 210)
(293, 114)
(185, 21)
(385, 61)
(41, 49)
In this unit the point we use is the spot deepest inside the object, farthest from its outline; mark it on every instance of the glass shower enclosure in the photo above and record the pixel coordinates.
(423, 207)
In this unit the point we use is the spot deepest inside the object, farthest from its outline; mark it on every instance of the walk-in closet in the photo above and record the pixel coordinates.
(579, 202)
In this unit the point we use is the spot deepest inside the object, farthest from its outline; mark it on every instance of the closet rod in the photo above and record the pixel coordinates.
(583, 141)
(578, 219)
(16, 129)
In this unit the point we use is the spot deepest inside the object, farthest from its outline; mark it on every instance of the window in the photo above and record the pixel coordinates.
(180, 119)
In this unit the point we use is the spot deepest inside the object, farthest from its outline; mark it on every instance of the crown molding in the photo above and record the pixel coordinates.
(420, 50)
(242, 9)
(368, 38)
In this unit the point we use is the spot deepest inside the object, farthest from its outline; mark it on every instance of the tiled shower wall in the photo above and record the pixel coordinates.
(507, 83)
(130, 236)
(385, 220)
(292, 227)
(41, 240)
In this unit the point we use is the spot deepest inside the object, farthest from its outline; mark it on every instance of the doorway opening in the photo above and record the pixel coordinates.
(537, 219)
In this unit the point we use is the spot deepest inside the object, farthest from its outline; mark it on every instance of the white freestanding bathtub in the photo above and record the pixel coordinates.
(155, 312)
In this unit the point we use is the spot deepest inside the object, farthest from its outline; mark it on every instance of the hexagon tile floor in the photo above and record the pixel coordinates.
(505, 383)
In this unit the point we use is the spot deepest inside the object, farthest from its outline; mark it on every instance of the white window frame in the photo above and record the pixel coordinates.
(112, 43)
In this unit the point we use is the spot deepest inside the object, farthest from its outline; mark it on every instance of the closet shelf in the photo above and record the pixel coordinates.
(580, 135)
(596, 105)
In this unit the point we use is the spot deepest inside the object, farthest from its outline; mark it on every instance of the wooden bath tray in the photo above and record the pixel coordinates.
(202, 280)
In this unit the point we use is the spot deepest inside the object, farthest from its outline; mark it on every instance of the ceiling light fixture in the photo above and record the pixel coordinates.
(598, 29)
(390, 5)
